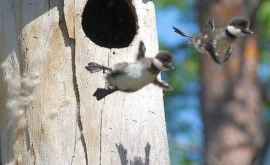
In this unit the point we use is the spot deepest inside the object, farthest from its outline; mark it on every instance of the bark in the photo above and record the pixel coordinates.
(47, 112)
(231, 99)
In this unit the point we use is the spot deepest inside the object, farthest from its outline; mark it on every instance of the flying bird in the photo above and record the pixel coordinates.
(130, 77)
(217, 42)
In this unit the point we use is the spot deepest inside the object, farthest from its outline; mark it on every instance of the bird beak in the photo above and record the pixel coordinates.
(247, 31)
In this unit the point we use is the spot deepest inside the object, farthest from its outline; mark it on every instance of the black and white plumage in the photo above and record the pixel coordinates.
(217, 42)
(130, 77)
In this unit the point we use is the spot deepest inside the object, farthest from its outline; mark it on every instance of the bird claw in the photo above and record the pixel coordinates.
(168, 88)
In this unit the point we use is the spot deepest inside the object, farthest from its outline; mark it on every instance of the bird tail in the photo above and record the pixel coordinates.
(178, 31)
(93, 67)
(101, 93)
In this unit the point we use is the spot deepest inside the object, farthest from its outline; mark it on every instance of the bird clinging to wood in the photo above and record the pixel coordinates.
(130, 77)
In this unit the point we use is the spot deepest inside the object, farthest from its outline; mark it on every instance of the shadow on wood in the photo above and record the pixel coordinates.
(122, 151)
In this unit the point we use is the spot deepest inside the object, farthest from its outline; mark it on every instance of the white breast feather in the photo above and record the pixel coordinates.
(136, 77)
(235, 31)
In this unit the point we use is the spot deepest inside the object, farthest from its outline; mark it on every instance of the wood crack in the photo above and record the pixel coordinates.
(29, 143)
(28, 140)
(70, 42)
(101, 119)
(34, 154)
(100, 133)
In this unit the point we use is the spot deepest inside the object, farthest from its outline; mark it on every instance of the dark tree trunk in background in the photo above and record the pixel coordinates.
(231, 100)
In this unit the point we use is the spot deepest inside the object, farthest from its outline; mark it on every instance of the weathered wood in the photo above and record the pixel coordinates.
(40, 112)
(47, 111)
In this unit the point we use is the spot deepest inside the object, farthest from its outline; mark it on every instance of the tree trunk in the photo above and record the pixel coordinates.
(48, 113)
(231, 100)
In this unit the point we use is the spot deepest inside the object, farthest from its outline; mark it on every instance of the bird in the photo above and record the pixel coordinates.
(217, 42)
(131, 77)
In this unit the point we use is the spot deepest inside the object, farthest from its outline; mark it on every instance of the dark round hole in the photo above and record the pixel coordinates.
(110, 23)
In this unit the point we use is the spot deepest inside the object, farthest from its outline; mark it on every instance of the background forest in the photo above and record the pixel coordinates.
(217, 114)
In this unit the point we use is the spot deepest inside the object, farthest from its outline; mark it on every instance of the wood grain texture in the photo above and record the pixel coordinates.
(48, 113)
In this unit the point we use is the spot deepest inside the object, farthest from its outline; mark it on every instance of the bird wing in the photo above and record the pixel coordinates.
(212, 25)
(141, 51)
(212, 52)
(93, 67)
(119, 69)
(215, 54)
(218, 46)
(227, 54)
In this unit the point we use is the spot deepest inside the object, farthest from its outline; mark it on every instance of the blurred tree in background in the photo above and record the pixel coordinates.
(232, 99)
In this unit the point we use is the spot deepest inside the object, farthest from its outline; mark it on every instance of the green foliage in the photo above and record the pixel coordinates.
(267, 104)
(185, 160)
(264, 19)
(265, 58)
(264, 32)
(181, 4)
(185, 73)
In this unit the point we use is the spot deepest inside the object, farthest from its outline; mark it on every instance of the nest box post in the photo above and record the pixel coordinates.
(48, 113)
